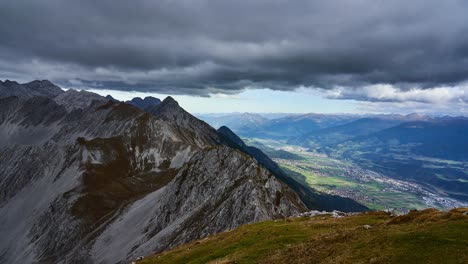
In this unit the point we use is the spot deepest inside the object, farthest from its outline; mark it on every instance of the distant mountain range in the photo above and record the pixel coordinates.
(433, 153)
(444, 138)
(288, 126)
(235, 121)
(89, 179)
(338, 134)
(296, 125)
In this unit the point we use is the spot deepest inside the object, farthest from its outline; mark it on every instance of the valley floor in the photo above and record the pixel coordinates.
(427, 236)
(345, 178)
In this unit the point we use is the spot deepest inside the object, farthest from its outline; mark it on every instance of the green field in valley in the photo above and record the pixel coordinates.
(347, 179)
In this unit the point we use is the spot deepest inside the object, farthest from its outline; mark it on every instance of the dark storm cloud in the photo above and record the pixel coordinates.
(200, 47)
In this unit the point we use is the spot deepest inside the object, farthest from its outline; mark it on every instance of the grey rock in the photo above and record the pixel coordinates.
(73, 99)
(206, 197)
(35, 88)
(193, 130)
(334, 213)
(84, 179)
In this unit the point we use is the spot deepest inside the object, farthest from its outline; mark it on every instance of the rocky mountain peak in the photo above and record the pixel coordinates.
(109, 97)
(169, 100)
(41, 84)
(45, 87)
(189, 127)
(145, 103)
(30, 89)
(169, 109)
(9, 83)
(73, 99)
(170, 103)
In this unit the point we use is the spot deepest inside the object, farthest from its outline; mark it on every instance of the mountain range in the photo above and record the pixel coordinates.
(89, 179)
(290, 126)
(432, 153)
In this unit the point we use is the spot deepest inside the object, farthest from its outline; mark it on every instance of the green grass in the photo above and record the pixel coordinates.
(320, 181)
(332, 178)
(427, 236)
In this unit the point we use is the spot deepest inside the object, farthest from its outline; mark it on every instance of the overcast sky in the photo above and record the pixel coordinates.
(342, 55)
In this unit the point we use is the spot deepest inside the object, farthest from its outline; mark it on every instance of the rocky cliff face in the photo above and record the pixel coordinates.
(218, 189)
(88, 180)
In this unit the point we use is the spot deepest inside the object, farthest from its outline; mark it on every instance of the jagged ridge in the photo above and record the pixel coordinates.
(76, 174)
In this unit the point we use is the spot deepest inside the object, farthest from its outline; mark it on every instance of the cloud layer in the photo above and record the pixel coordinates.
(397, 50)
(388, 93)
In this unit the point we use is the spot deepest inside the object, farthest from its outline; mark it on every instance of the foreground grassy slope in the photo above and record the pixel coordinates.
(428, 236)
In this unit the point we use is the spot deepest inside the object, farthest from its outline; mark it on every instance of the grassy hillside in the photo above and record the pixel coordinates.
(428, 236)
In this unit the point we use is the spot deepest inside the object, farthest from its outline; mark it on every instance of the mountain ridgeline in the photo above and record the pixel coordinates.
(89, 179)
(144, 103)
